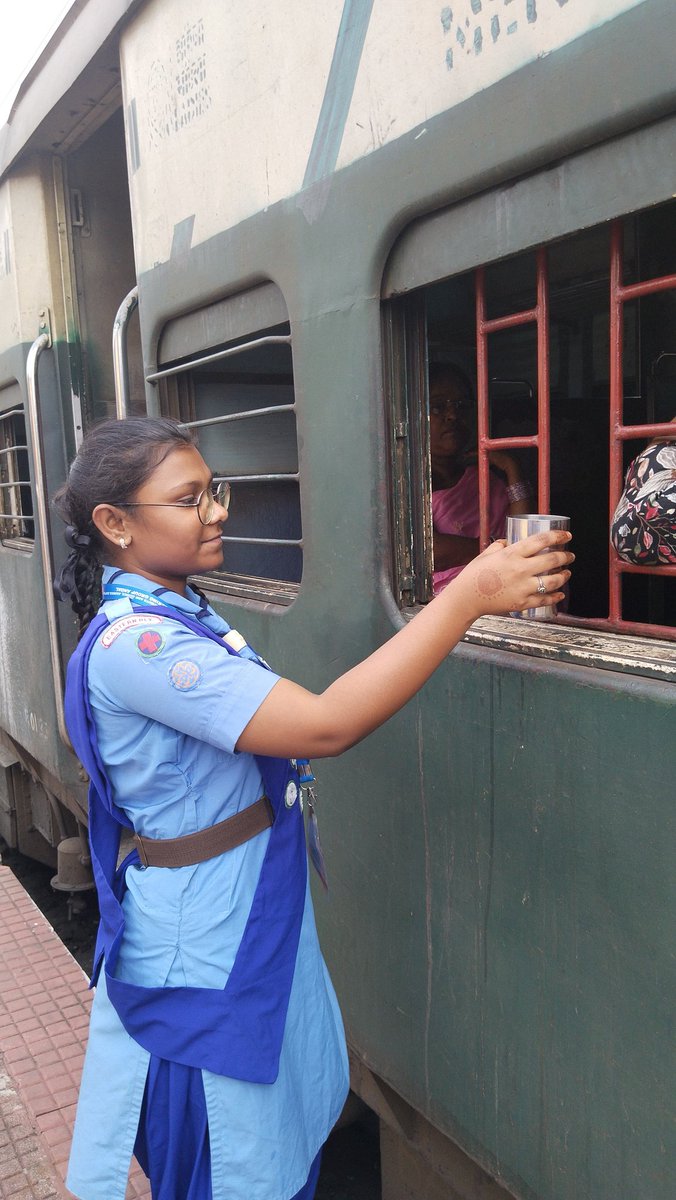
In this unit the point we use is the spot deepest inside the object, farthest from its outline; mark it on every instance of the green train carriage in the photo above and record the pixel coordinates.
(313, 205)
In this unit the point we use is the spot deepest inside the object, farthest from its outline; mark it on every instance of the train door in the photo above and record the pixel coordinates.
(101, 263)
(68, 262)
(38, 777)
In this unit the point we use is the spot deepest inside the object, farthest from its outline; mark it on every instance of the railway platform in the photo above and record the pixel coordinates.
(44, 1014)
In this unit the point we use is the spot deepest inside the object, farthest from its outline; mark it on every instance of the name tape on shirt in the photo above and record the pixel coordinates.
(123, 623)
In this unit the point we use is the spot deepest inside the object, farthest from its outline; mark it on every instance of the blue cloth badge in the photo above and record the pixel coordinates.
(184, 675)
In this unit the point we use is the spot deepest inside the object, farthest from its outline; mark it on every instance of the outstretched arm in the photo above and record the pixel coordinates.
(294, 721)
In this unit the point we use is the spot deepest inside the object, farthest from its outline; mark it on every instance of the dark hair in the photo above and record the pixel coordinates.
(113, 462)
(446, 372)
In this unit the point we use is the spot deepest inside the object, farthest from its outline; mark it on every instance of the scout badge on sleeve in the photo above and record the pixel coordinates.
(306, 780)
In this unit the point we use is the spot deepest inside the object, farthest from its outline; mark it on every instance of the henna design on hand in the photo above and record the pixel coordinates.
(489, 582)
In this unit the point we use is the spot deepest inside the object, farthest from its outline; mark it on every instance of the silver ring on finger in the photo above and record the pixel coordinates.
(541, 587)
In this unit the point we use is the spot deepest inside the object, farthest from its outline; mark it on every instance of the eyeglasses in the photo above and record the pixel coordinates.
(456, 404)
(218, 494)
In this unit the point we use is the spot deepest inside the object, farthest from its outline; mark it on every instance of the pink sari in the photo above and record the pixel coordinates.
(455, 510)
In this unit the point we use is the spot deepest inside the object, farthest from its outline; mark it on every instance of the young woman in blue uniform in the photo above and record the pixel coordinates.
(216, 1049)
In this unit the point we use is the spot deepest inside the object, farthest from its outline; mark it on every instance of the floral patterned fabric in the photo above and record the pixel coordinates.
(643, 529)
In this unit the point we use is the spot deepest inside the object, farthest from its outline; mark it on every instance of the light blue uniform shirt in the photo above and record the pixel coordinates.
(169, 708)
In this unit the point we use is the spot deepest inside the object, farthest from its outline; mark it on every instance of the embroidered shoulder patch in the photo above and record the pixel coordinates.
(184, 675)
(123, 623)
(149, 643)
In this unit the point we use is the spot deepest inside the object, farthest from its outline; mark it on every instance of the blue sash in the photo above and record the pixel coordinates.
(238, 1030)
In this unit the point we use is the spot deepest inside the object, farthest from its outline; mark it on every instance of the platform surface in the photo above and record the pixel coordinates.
(44, 1015)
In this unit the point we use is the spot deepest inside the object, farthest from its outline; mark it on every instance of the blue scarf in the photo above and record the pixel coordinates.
(238, 1030)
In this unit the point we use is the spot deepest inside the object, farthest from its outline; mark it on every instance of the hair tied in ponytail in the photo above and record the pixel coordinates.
(66, 584)
(75, 539)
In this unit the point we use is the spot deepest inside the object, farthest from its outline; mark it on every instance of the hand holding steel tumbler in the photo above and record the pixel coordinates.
(521, 527)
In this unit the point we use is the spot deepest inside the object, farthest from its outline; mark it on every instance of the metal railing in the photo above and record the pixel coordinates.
(40, 484)
(242, 415)
(20, 517)
(282, 339)
(120, 357)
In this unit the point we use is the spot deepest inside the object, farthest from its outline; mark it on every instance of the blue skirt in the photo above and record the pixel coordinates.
(172, 1141)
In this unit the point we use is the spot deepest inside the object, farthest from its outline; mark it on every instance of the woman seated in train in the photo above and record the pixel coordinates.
(643, 528)
(455, 476)
(216, 1051)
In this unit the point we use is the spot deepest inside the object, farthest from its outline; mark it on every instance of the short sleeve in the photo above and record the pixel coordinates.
(161, 670)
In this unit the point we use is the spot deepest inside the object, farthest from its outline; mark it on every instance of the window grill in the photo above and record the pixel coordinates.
(619, 433)
(575, 313)
(239, 399)
(540, 441)
(17, 523)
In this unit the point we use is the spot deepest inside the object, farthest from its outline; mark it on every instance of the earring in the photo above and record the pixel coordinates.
(123, 544)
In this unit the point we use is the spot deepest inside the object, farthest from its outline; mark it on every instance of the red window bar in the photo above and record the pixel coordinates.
(484, 327)
(619, 432)
(619, 295)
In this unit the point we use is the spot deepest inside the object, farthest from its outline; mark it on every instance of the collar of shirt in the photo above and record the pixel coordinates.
(190, 603)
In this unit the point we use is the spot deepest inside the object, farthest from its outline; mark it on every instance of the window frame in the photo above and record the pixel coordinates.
(619, 432)
(579, 194)
(235, 325)
(11, 483)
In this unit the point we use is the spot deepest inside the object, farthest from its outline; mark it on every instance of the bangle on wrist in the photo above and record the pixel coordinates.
(518, 491)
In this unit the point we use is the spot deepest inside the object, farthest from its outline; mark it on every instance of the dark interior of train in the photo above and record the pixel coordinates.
(103, 262)
(578, 269)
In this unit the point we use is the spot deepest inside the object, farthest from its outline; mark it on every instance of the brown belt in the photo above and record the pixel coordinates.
(208, 843)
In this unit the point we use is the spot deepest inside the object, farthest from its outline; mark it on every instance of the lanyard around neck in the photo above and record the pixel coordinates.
(112, 590)
(122, 591)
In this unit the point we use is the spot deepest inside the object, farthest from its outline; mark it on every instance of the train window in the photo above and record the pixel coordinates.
(238, 396)
(16, 497)
(569, 350)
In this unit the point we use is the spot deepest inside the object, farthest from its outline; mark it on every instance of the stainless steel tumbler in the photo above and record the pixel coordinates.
(521, 527)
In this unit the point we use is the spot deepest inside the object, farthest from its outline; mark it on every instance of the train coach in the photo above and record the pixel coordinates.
(267, 220)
